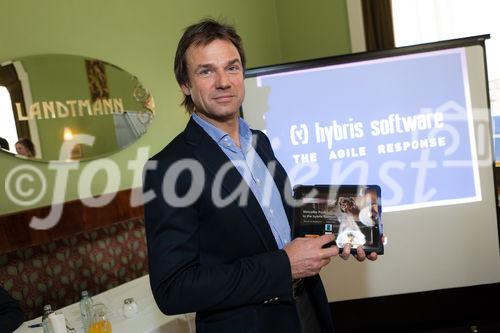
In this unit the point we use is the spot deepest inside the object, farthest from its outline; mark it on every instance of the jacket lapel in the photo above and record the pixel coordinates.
(213, 159)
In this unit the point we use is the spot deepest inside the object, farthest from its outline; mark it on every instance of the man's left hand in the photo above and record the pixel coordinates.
(360, 254)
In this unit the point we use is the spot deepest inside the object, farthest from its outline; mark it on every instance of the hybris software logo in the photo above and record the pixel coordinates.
(299, 134)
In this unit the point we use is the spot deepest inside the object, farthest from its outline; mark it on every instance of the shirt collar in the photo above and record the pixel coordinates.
(218, 135)
(245, 135)
(215, 133)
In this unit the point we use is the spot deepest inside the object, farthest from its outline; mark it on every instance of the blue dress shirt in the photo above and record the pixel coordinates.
(255, 173)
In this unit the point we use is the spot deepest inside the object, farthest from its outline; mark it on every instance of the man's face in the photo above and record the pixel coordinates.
(215, 80)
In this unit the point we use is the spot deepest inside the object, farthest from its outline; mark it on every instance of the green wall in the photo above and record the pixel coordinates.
(141, 38)
(312, 29)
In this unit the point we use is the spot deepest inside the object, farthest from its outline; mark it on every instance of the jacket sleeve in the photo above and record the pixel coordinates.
(179, 283)
(11, 315)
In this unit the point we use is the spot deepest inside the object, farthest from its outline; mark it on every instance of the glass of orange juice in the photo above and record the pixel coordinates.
(100, 322)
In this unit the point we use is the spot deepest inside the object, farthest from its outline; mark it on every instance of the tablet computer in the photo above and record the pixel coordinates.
(353, 213)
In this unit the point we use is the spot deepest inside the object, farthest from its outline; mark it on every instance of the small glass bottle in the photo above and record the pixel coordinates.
(47, 310)
(86, 310)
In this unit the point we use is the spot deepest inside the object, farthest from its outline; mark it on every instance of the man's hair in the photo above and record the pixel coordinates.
(202, 33)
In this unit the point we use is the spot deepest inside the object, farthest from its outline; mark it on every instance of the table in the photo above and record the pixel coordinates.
(149, 319)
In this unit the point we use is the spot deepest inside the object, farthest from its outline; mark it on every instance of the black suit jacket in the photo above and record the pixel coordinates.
(220, 262)
(11, 315)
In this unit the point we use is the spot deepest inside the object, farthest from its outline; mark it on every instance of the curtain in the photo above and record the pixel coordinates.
(377, 19)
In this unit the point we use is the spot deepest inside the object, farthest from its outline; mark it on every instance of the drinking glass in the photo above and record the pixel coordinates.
(100, 322)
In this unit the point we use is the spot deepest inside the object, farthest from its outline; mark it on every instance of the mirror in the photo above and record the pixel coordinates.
(45, 100)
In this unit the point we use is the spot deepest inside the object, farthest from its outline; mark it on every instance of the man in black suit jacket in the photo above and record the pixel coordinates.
(11, 315)
(211, 247)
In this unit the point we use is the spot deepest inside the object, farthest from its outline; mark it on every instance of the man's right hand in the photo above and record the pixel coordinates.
(307, 255)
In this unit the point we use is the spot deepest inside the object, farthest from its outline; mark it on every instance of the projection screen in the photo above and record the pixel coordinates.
(413, 120)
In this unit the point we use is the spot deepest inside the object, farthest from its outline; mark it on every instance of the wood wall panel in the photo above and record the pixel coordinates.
(15, 232)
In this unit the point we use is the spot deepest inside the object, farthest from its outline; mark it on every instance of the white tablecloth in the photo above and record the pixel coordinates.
(149, 319)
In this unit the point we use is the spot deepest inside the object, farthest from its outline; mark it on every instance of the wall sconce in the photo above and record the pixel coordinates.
(68, 134)
(76, 152)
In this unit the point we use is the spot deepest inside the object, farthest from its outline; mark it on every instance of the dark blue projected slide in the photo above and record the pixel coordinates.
(403, 123)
